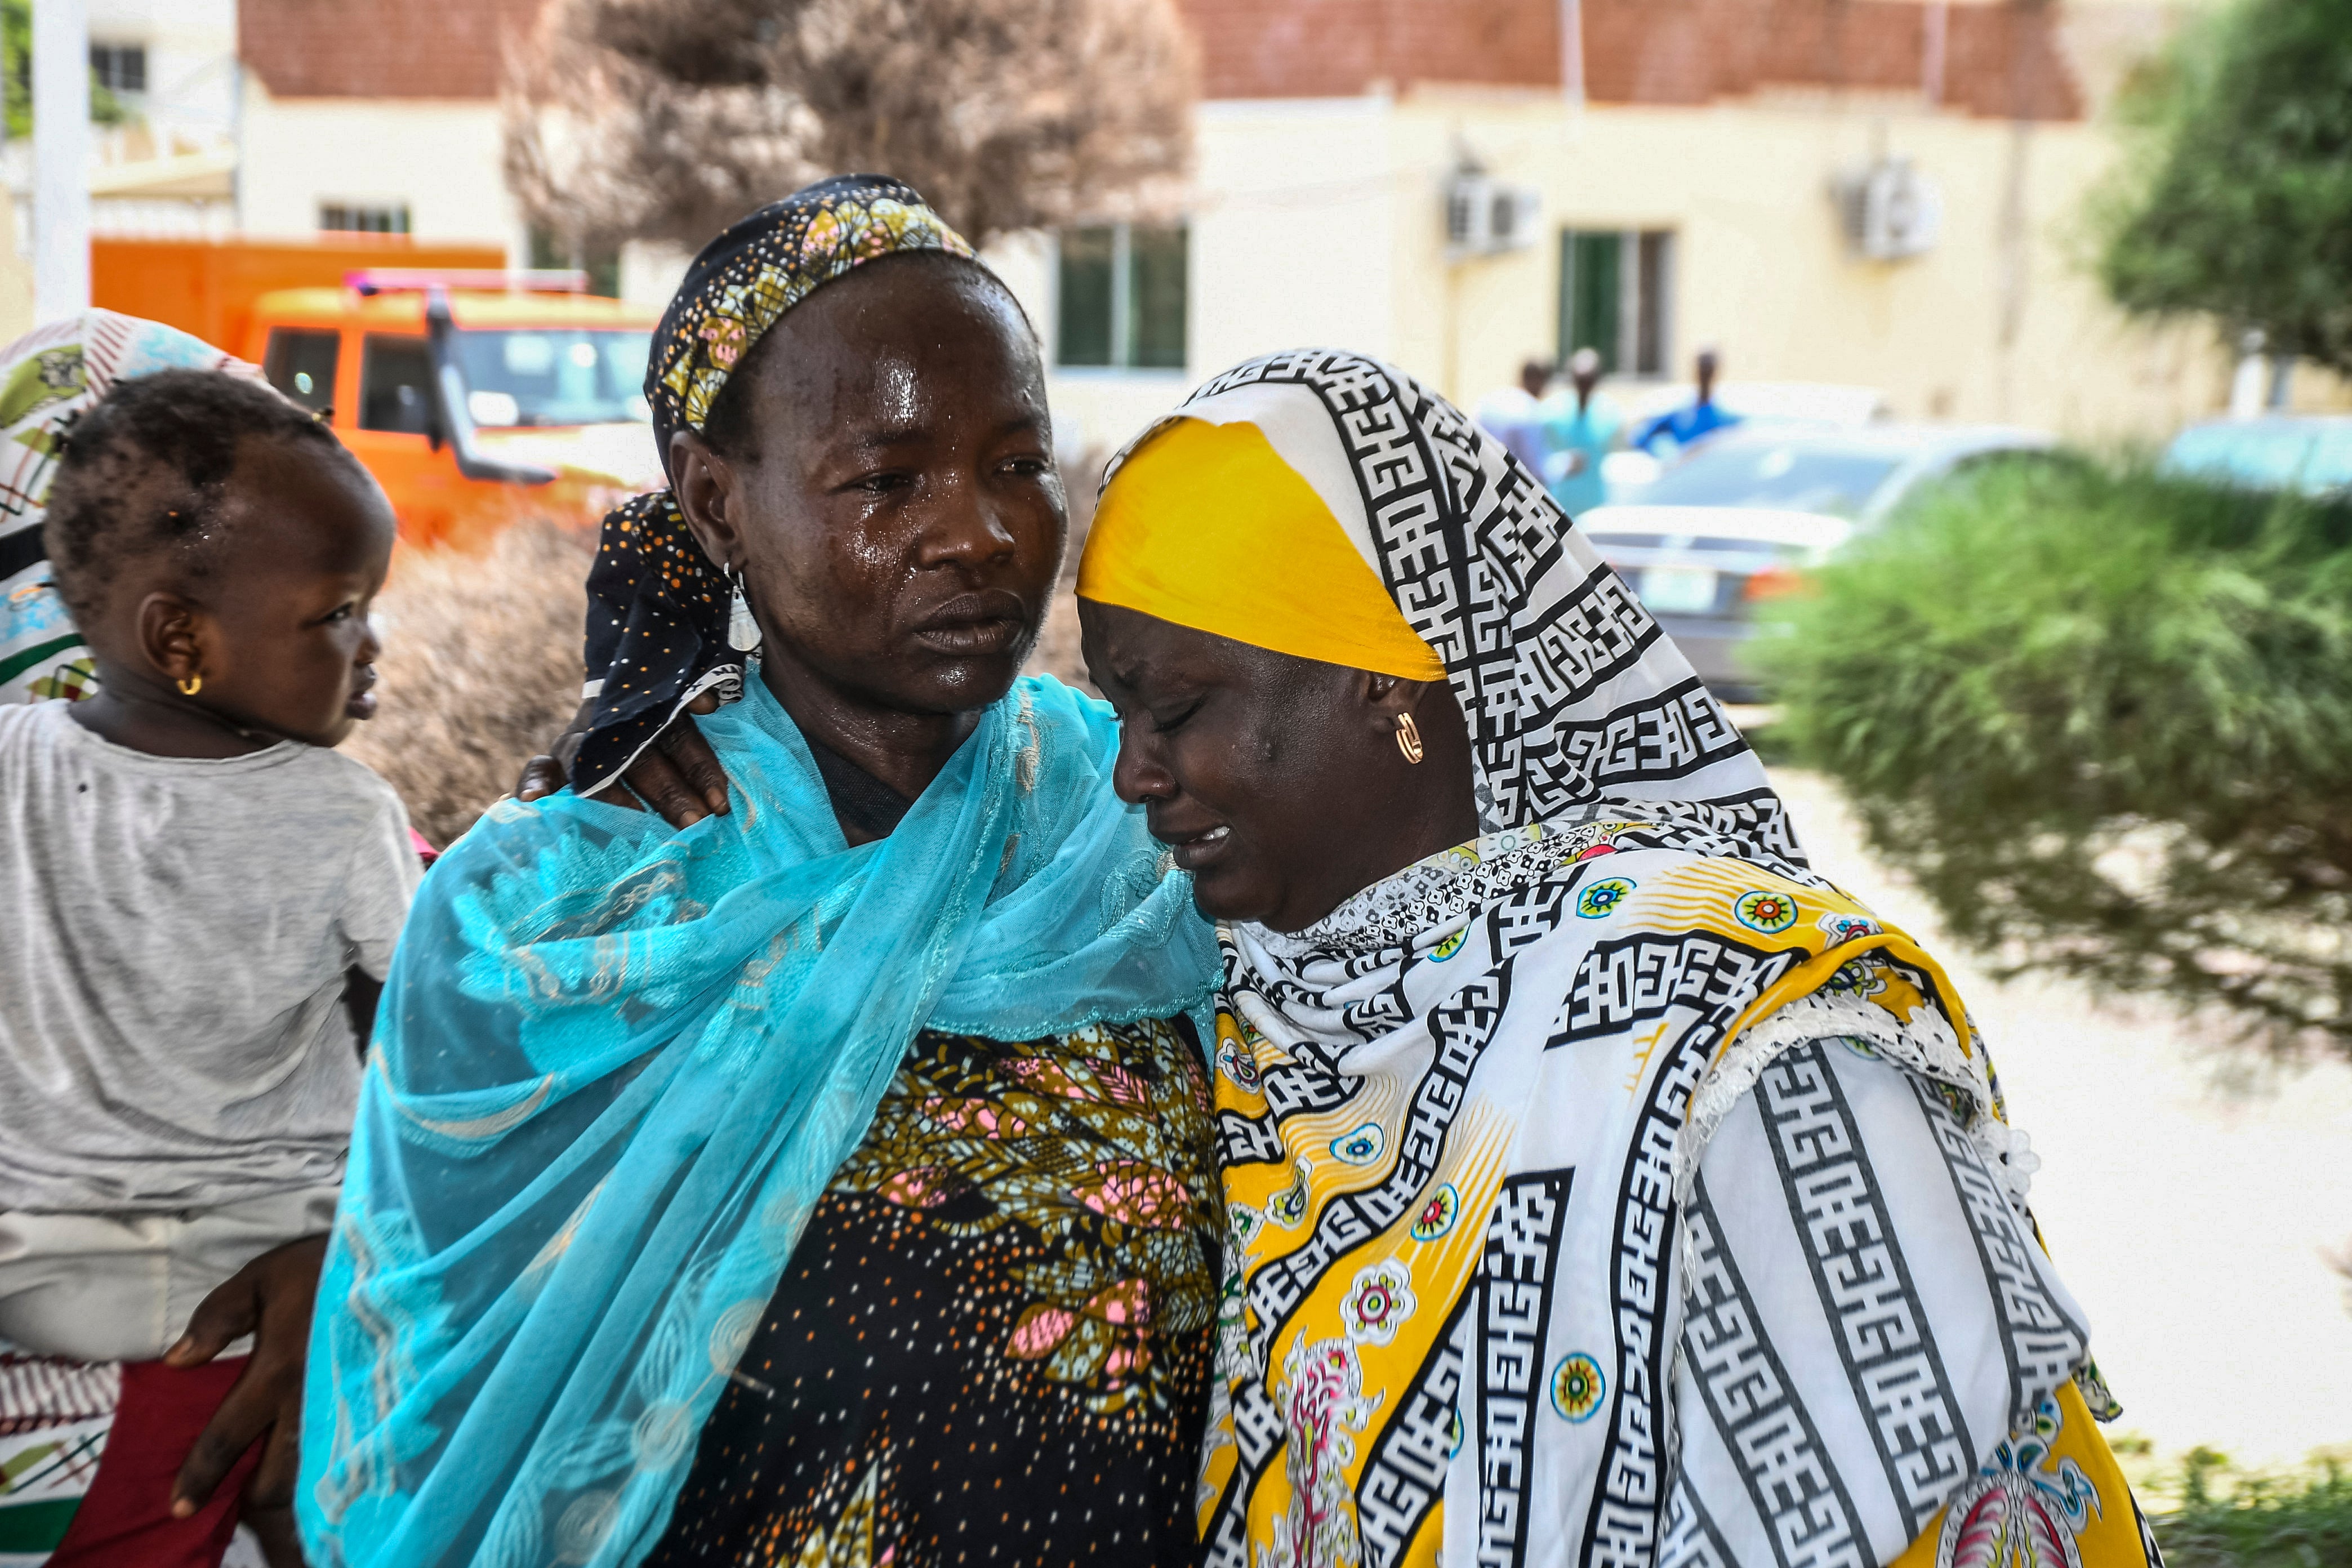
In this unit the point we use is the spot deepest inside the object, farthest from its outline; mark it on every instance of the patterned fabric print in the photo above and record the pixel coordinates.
(992, 1343)
(47, 378)
(1432, 1322)
(1459, 1113)
(54, 1417)
(2029, 1508)
(657, 606)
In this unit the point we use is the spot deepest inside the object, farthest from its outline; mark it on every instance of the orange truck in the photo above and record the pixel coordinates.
(478, 397)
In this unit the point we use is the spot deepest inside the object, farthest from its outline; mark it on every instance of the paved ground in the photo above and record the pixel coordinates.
(2192, 1200)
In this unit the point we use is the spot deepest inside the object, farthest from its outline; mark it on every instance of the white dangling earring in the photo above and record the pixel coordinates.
(743, 626)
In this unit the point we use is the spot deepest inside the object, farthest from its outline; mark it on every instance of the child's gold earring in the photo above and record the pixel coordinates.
(1408, 737)
(191, 685)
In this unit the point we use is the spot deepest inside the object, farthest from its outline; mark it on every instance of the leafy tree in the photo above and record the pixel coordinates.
(2103, 718)
(668, 119)
(2239, 204)
(17, 75)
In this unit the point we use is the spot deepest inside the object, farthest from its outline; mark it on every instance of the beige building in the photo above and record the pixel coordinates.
(1882, 195)
(1886, 195)
(377, 116)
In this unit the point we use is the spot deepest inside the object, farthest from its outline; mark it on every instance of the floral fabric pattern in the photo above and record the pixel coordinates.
(994, 1337)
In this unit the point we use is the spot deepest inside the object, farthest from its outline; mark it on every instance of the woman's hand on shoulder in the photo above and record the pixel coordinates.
(678, 776)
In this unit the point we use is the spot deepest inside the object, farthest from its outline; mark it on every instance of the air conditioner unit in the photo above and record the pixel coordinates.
(1889, 210)
(1484, 216)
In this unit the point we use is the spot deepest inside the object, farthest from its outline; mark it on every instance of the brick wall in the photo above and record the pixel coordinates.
(2000, 59)
(380, 48)
(1321, 48)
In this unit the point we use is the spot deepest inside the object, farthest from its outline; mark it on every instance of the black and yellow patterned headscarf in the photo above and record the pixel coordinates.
(657, 605)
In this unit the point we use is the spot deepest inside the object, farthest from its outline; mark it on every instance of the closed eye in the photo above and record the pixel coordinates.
(1169, 726)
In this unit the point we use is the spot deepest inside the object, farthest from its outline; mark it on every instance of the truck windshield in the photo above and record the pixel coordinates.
(554, 376)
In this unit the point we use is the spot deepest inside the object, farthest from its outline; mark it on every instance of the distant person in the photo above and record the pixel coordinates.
(201, 901)
(1513, 415)
(1682, 427)
(1581, 431)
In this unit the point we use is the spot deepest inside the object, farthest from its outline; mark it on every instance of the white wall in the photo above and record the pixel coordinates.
(1289, 247)
(191, 97)
(1293, 228)
(440, 158)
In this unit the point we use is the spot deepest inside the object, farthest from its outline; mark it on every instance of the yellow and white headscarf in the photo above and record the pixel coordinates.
(1610, 1189)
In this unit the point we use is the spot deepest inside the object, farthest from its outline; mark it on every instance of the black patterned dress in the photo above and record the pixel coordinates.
(992, 1345)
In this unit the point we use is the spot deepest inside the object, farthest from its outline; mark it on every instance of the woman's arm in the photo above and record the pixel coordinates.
(1868, 1314)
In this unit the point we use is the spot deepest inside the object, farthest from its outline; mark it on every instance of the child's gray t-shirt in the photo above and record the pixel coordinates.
(172, 1033)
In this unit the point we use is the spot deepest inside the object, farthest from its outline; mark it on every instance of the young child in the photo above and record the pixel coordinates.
(200, 899)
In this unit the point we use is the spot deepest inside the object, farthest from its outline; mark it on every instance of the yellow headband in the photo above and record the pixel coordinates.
(1205, 526)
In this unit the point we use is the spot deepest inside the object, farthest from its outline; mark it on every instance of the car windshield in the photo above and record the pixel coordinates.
(554, 376)
(1826, 479)
(2309, 457)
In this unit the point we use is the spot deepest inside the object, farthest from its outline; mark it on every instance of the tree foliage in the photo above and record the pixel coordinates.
(2104, 718)
(16, 76)
(2239, 203)
(668, 119)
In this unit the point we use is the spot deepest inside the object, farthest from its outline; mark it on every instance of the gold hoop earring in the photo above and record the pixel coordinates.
(1408, 738)
(191, 685)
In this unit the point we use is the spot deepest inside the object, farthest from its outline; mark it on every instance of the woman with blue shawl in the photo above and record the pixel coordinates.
(829, 1180)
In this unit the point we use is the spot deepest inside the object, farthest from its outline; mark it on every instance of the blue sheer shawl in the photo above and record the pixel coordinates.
(616, 1065)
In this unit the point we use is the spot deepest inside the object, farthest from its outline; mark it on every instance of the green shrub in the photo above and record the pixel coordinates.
(2104, 718)
(2301, 1520)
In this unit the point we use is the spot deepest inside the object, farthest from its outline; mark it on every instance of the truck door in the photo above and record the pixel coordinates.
(395, 434)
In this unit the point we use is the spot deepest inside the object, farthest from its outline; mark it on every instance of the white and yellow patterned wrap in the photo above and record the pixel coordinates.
(1611, 1189)
(1474, 1284)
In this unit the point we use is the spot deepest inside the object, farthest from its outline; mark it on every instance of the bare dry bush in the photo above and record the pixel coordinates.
(1057, 652)
(670, 119)
(480, 669)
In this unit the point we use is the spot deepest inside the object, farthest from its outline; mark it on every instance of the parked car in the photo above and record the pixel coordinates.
(2310, 452)
(1741, 518)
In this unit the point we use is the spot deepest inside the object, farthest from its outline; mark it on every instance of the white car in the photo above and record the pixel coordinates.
(1742, 515)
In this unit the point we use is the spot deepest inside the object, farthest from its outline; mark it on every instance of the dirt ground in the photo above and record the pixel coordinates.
(2193, 1199)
